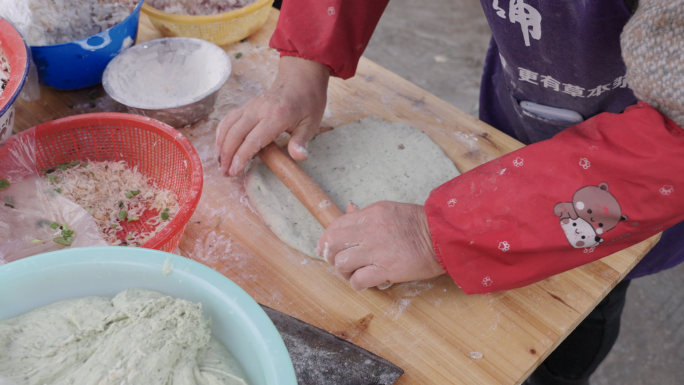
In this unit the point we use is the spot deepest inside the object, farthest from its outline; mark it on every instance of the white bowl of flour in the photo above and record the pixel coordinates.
(174, 80)
(237, 321)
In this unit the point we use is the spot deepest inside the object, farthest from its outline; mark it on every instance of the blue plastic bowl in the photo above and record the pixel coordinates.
(238, 321)
(80, 64)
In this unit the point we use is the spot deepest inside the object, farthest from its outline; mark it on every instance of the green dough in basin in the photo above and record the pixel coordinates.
(138, 337)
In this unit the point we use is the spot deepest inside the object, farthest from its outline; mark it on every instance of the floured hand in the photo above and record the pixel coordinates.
(386, 242)
(295, 103)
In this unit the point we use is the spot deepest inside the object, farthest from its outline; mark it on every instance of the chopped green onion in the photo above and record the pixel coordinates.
(133, 219)
(4, 184)
(123, 214)
(84, 164)
(64, 226)
(132, 193)
(36, 241)
(59, 190)
(74, 163)
(165, 214)
(54, 225)
(53, 178)
(114, 226)
(62, 241)
(239, 55)
(129, 236)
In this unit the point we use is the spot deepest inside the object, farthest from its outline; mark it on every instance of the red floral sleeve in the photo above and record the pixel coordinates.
(331, 32)
(590, 191)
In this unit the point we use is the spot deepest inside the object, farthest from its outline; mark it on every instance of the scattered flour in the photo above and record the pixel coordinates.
(301, 149)
(384, 286)
(441, 59)
(168, 267)
(399, 307)
(413, 288)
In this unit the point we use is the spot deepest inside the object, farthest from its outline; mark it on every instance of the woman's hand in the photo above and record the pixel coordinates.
(295, 103)
(387, 242)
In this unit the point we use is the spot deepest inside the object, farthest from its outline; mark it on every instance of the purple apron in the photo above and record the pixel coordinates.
(564, 54)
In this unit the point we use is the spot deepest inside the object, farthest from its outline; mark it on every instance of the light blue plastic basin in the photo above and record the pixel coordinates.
(238, 321)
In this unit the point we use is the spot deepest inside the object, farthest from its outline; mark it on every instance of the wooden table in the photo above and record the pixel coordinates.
(431, 329)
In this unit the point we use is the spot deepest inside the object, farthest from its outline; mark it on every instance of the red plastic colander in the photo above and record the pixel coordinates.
(161, 153)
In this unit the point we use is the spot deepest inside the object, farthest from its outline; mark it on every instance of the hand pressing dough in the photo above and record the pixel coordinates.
(364, 162)
(138, 337)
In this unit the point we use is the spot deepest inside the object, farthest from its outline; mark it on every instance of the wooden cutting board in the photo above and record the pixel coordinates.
(431, 329)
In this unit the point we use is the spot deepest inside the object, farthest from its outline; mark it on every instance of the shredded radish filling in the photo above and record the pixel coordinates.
(114, 193)
(4, 73)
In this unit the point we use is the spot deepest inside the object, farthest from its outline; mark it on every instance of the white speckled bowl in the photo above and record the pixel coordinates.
(238, 321)
(174, 80)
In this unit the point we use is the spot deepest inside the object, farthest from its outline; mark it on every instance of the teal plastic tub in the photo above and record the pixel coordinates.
(238, 321)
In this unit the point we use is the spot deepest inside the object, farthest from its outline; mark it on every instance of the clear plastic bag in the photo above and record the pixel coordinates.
(29, 206)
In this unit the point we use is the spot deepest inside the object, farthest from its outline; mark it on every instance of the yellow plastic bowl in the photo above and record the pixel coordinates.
(224, 28)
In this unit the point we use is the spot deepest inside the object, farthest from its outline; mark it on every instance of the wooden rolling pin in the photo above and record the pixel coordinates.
(300, 183)
(308, 192)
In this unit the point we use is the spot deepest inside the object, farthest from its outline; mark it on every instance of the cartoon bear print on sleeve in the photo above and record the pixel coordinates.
(592, 212)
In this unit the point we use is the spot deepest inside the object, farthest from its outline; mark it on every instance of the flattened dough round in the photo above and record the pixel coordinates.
(364, 162)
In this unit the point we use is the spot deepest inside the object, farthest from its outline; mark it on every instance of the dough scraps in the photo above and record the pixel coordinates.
(138, 337)
(364, 162)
